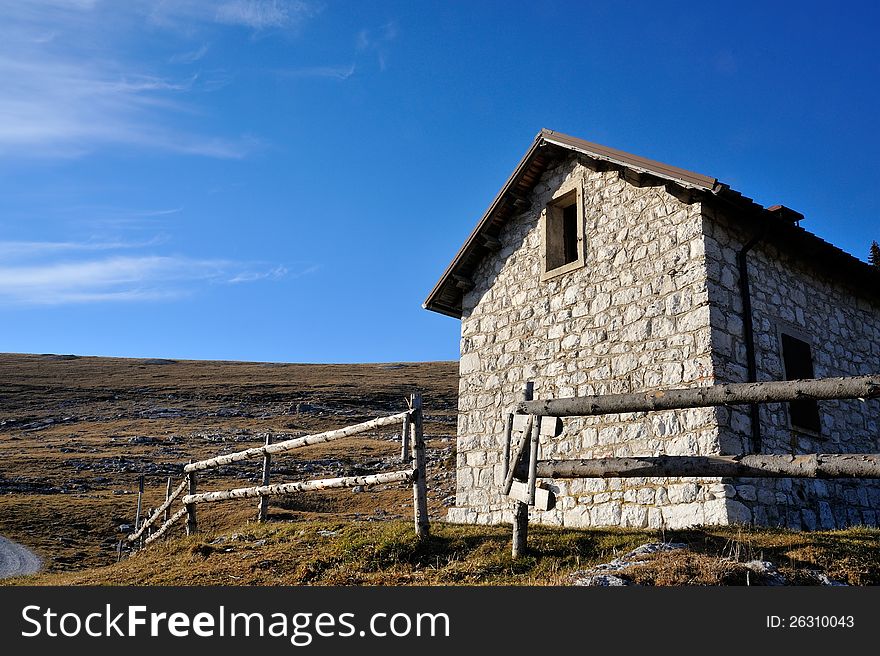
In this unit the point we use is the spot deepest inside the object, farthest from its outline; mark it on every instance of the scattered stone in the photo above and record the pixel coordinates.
(599, 580)
(767, 571)
(142, 439)
(357, 488)
(633, 556)
(822, 578)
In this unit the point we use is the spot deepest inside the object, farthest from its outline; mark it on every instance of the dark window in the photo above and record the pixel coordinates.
(569, 232)
(561, 237)
(798, 360)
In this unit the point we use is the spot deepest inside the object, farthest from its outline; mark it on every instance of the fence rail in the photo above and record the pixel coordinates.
(522, 463)
(301, 486)
(817, 389)
(413, 452)
(814, 465)
(296, 443)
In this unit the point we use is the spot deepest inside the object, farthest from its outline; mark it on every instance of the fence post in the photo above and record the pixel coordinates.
(533, 459)
(137, 515)
(263, 506)
(420, 483)
(119, 552)
(508, 433)
(404, 437)
(191, 525)
(167, 513)
(520, 509)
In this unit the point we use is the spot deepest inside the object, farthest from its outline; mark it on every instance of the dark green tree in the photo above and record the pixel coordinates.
(874, 257)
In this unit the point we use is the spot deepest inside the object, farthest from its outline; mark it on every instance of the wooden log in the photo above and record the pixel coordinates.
(295, 443)
(816, 465)
(520, 536)
(168, 524)
(817, 389)
(517, 452)
(533, 460)
(302, 486)
(463, 282)
(544, 498)
(492, 243)
(420, 482)
(137, 515)
(404, 439)
(263, 505)
(192, 525)
(163, 509)
(167, 496)
(505, 453)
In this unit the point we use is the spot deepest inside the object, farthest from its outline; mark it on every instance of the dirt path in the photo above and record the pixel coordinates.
(15, 560)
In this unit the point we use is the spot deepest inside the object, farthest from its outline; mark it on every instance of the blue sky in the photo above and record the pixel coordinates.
(285, 181)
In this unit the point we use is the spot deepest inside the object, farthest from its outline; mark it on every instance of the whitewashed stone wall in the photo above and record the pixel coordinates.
(844, 324)
(636, 317)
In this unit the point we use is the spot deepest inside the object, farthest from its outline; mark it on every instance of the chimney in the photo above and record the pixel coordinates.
(785, 214)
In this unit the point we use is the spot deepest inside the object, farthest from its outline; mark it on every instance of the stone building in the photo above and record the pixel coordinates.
(597, 271)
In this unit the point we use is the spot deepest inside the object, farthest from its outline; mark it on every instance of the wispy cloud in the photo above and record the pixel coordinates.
(62, 273)
(69, 84)
(336, 72)
(253, 276)
(51, 106)
(17, 250)
(189, 57)
(255, 15)
(377, 41)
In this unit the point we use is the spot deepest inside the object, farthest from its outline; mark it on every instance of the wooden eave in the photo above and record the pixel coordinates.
(548, 149)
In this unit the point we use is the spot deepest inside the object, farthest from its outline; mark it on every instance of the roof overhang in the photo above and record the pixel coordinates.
(547, 150)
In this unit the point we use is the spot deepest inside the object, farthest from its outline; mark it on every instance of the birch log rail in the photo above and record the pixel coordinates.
(817, 389)
(164, 528)
(814, 465)
(160, 510)
(297, 442)
(286, 488)
(412, 452)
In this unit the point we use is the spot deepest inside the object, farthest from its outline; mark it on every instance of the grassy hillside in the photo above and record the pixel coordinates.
(76, 432)
(326, 552)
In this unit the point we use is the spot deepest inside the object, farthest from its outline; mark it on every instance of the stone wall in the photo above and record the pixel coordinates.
(635, 317)
(843, 324)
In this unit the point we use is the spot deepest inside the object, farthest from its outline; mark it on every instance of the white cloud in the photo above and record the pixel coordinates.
(253, 276)
(70, 84)
(189, 57)
(17, 250)
(254, 15)
(336, 72)
(33, 274)
(50, 106)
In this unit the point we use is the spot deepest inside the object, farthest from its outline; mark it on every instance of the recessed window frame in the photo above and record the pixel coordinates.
(795, 332)
(552, 214)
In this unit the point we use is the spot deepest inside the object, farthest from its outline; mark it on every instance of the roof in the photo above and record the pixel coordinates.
(550, 147)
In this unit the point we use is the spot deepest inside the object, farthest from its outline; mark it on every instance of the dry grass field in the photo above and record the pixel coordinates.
(76, 432)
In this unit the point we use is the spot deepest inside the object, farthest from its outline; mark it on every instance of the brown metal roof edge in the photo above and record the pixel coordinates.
(595, 151)
(645, 165)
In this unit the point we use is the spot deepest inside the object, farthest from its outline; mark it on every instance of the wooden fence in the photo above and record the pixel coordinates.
(524, 429)
(412, 454)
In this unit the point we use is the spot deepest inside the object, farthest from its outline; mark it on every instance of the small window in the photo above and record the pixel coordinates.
(563, 234)
(797, 359)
